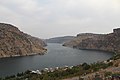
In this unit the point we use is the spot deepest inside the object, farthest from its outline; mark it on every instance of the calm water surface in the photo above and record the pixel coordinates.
(56, 56)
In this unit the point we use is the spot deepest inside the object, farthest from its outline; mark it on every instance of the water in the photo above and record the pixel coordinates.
(57, 56)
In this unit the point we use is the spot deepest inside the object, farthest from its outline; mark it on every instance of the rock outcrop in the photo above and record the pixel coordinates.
(13, 42)
(104, 42)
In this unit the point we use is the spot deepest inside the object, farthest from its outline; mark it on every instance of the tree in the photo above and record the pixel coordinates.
(85, 66)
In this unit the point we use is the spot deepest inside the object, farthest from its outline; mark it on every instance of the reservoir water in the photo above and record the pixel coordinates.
(57, 56)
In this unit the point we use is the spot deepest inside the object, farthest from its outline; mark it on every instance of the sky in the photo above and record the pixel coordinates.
(53, 18)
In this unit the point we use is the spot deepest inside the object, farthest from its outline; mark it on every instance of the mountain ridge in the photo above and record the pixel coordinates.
(60, 40)
(14, 42)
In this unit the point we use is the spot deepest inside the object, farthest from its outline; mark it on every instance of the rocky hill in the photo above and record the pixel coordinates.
(14, 42)
(105, 42)
(78, 39)
(59, 39)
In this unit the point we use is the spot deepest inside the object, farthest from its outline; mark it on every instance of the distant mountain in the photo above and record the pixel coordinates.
(13, 42)
(59, 39)
(105, 42)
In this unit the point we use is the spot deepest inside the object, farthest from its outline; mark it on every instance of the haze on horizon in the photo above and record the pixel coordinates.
(50, 18)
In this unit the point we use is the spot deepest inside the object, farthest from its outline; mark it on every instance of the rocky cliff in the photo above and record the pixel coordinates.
(13, 42)
(107, 42)
(79, 38)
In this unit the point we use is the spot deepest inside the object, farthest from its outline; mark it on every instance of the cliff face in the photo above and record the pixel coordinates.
(79, 38)
(13, 42)
(107, 42)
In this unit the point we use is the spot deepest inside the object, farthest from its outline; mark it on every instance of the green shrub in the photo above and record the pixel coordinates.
(108, 74)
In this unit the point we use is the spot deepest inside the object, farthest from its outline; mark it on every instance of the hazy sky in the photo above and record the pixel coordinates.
(50, 18)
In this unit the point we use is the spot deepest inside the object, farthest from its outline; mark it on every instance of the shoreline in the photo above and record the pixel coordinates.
(92, 49)
(32, 54)
(59, 67)
(41, 73)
